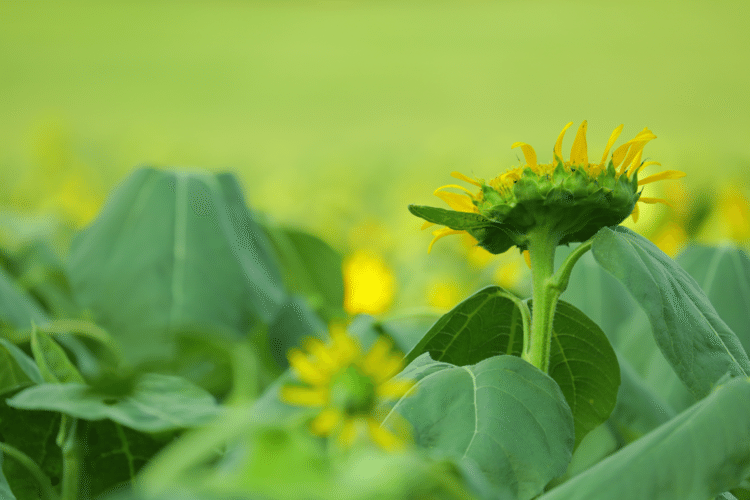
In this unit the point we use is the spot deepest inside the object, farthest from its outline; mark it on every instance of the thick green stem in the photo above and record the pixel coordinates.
(67, 440)
(542, 244)
(547, 290)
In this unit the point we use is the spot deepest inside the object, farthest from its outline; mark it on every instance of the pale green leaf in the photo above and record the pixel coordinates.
(158, 403)
(174, 250)
(697, 455)
(697, 343)
(503, 413)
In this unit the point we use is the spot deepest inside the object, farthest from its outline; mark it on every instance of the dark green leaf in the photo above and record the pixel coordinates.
(114, 454)
(697, 343)
(450, 218)
(699, 454)
(16, 368)
(174, 250)
(585, 366)
(312, 268)
(486, 324)
(724, 275)
(33, 433)
(158, 403)
(489, 323)
(506, 415)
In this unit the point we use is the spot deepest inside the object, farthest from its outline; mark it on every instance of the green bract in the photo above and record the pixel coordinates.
(568, 201)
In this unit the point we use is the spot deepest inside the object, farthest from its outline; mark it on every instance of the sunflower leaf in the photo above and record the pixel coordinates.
(478, 412)
(693, 338)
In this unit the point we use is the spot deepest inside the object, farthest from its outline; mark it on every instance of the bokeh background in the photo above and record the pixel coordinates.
(336, 115)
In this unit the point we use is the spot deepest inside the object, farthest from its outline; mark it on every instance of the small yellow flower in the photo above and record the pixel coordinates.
(573, 198)
(347, 386)
(369, 284)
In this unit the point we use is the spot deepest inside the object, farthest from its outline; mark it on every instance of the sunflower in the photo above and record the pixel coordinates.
(568, 200)
(347, 386)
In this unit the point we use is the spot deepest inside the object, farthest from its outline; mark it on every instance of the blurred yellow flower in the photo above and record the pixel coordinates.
(670, 238)
(442, 294)
(509, 273)
(77, 199)
(734, 212)
(369, 284)
(347, 386)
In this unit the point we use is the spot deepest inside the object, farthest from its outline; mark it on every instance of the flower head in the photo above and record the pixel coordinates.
(572, 199)
(347, 386)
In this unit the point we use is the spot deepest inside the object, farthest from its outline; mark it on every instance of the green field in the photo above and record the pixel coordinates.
(336, 115)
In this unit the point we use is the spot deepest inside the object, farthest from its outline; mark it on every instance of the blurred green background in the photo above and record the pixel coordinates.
(336, 115)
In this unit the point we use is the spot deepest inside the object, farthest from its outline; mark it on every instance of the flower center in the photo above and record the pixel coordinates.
(352, 391)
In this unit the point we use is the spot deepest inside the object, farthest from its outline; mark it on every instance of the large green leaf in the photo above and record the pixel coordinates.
(503, 413)
(584, 365)
(697, 343)
(724, 275)
(489, 323)
(33, 433)
(312, 268)
(158, 403)
(115, 454)
(174, 250)
(16, 368)
(697, 455)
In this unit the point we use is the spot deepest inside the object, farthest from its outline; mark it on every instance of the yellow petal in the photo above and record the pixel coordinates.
(323, 424)
(635, 164)
(382, 437)
(348, 433)
(654, 200)
(528, 153)
(636, 213)
(394, 389)
(558, 145)
(454, 186)
(377, 355)
(459, 175)
(527, 258)
(302, 396)
(305, 369)
(390, 367)
(457, 202)
(620, 153)
(427, 224)
(441, 233)
(667, 174)
(321, 353)
(344, 348)
(612, 138)
(646, 164)
(579, 152)
(632, 159)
